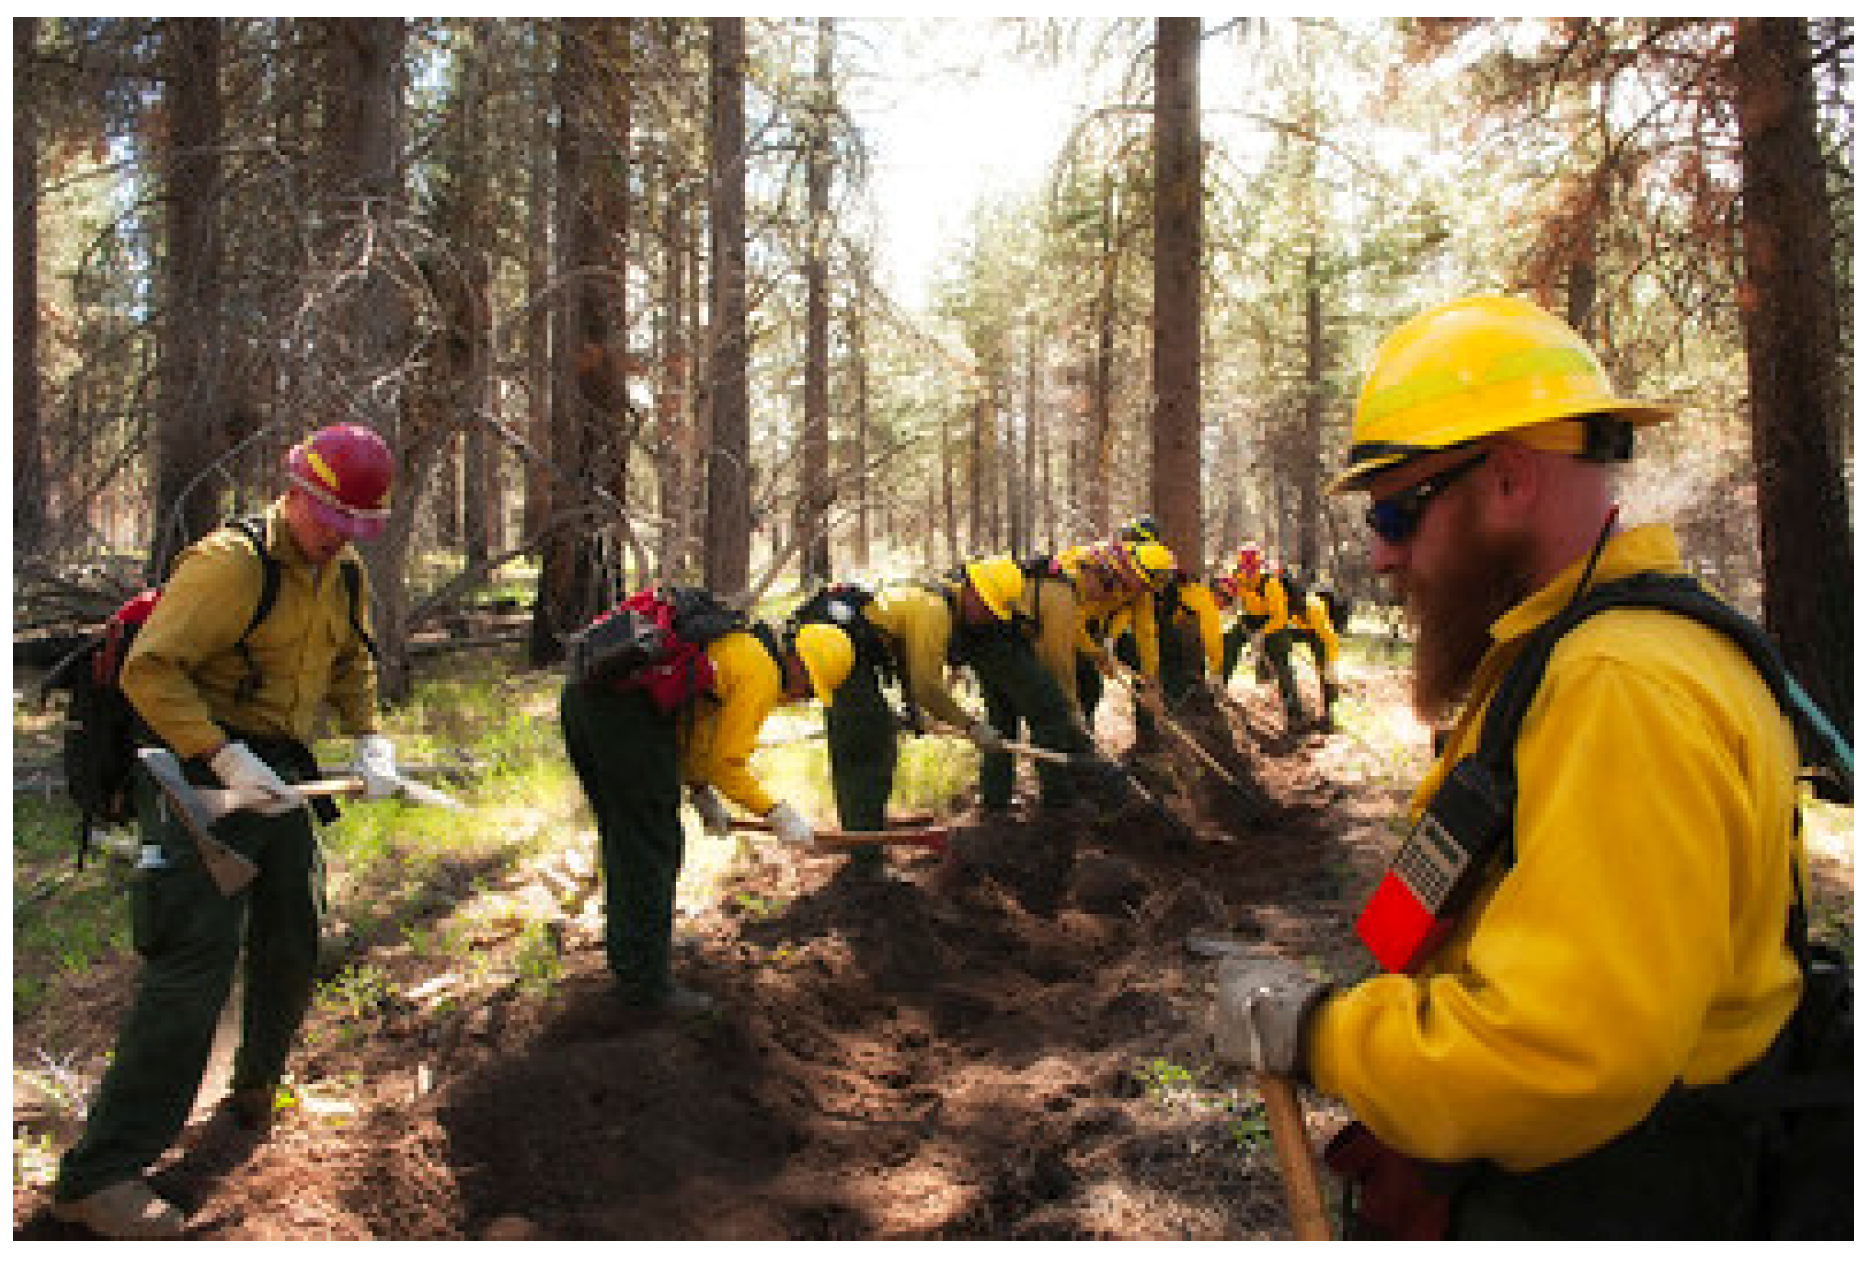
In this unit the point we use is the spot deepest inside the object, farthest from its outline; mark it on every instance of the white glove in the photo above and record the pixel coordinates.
(373, 759)
(713, 811)
(239, 767)
(790, 826)
(985, 737)
(1261, 1011)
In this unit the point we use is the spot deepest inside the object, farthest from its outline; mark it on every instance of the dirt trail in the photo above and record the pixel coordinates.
(995, 1051)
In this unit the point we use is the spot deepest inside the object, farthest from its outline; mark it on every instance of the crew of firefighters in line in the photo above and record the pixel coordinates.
(1552, 1050)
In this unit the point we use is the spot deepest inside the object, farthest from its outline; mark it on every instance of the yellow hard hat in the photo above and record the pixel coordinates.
(999, 581)
(1473, 367)
(827, 656)
(1153, 563)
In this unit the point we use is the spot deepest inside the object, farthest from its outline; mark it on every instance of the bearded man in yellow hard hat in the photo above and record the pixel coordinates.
(1585, 935)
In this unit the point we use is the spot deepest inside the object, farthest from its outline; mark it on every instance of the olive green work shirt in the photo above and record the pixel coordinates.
(184, 669)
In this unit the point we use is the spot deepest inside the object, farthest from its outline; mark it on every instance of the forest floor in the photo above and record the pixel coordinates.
(1007, 1044)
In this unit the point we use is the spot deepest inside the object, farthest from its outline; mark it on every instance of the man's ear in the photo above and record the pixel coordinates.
(1518, 475)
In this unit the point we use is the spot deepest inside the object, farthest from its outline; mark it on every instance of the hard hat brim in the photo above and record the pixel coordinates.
(1638, 412)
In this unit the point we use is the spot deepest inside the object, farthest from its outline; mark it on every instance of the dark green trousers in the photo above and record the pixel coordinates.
(190, 937)
(1233, 641)
(628, 758)
(1089, 688)
(1020, 692)
(860, 730)
(1278, 652)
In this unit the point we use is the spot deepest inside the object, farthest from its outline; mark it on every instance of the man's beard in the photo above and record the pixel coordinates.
(1453, 609)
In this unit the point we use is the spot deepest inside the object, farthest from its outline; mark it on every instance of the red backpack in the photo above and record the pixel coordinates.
(656, 641)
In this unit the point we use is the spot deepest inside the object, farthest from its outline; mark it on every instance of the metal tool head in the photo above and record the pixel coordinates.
(230, 871)
(427, 795)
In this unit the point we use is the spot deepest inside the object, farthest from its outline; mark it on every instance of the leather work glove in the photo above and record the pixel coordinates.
(984, 737)
(790, 826)
(239, 767)
(1260, 1013)
(373, 759)
(715, 819)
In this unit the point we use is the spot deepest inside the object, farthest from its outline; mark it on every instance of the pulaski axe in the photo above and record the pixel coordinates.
(230, 871)
(198, 807)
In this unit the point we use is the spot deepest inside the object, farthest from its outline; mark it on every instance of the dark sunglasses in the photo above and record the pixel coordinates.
(1395, 518)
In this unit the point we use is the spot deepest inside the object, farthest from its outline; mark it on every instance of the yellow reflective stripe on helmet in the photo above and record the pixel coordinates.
(1433, 386)
(319, 467)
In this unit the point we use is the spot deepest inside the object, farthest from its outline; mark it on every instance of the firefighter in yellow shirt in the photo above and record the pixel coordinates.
(239, 704)
(1539, 1062)
(1076, 599)
(633, 750)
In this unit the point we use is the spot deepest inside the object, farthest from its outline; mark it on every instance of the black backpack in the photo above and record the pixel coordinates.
(102, 729)
(841, 604)
(654, 640)
(1805, 1084)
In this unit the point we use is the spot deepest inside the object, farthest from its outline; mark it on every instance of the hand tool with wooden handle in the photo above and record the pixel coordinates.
(1284, 1115)
(832, 841)
(1291, 1145)
(230, 871)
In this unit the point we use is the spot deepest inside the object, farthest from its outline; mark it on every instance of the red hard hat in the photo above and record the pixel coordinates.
(345, 470)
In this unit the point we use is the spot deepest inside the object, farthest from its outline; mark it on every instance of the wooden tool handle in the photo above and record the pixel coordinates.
(1296, 1168)
(831, 839)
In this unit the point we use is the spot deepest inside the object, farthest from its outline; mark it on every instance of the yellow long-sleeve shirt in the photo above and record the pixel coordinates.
(1639, 936)
(717, 743)
(184, 669)
(1317, 621)
(1093, 606)
(919, 626)
(1264, 596)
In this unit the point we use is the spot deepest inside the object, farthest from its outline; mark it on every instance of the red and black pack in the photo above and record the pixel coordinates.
(654, 641)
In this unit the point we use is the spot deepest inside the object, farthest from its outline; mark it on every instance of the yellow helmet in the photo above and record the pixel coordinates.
(1153, 563)
(1000, 582)
(1477, 366)
(827, 655)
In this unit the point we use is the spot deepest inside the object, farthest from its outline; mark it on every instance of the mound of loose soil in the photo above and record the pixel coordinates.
(953, 1048)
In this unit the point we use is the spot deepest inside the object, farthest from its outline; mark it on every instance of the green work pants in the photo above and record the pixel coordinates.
(627, 756)
(1233, 642)
(1020, 691)
(190, 937)
(1278, 652)
(1089, 688)
(860, 731)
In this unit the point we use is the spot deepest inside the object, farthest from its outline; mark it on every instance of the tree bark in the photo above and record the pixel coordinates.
(1175, 467)
(811, 514)
(1793, 359)
(728, 561)
(370, 332)
(31, 512)
(578, 575)
(190, 421)
(1309, 457)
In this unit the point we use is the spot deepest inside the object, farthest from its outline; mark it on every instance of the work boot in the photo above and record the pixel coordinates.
(123, 1210)
(252, 1108)
(676, 1000)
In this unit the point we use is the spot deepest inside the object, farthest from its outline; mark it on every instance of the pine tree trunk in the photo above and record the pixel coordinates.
(1793, 359)
(811, 518)
(1175, 468)
(190, 426)
(728, 561)
(577, 576)
(30, 490)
